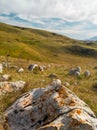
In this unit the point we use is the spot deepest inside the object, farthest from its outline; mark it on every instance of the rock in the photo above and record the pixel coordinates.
(75, 83)
(66, 84)
(41, 68)
(78, 69)
(52, 108)
(52, 75)
(77, 74)
(20, 70)
(5, 77)
(7, 87)
(56, 82)
(72, 71)
(75, 71)
(6, 64)
(1, 68)
(18, 85)
(87, 73)
(32, 67)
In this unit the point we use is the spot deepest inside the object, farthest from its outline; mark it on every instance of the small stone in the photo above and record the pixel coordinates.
(66, 84)
(57, 82)
(78, 69)
(77, 74)
(87, 73)
(5, 77)
(1, 68)
(20, 70)
(32, 67)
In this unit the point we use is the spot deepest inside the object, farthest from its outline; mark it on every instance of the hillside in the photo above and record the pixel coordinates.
(93, 38)
(57, 53)
(40, 45)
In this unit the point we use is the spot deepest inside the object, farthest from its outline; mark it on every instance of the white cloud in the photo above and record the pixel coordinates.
(74, 10)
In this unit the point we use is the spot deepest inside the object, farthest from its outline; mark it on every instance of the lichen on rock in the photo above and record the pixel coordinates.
(52, 108)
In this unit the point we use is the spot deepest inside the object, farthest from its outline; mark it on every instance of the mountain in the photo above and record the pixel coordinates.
(40, 45)
(93, 38)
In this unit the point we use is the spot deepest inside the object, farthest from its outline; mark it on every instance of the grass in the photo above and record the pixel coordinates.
(39, 45)
(26, 46)
(84, 89)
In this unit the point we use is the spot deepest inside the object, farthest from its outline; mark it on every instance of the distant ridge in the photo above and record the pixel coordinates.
(93, 38)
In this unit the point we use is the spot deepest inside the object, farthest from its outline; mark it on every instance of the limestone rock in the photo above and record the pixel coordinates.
(77, 74)
(87, 73)
(1, 68)
(67, 84)
(32, 67)
(42, 68)
(56, 82)
(75, 71)
(52, 108)
(5, 77)
(7, 87)
(78, 69)
(71, 71)
(6, 64)
(20, 70)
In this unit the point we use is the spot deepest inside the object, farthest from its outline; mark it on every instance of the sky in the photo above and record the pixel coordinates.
(74, 18)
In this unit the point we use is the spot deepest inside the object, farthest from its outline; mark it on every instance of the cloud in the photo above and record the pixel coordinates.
(73, 10)
(71, 17)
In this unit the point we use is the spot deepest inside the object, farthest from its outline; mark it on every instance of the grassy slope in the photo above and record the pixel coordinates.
(48, 47)
(39, 45)
(84, 89)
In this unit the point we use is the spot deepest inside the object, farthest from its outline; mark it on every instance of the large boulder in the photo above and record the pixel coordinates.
(52, 108)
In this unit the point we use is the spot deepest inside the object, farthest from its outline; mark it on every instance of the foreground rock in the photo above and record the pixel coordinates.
(52, 108)
(7, 87)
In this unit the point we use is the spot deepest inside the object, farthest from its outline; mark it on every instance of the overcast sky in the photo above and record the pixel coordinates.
(75, 18)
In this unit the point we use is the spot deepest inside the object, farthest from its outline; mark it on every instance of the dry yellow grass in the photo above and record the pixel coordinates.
(84, 89)
(49, 49)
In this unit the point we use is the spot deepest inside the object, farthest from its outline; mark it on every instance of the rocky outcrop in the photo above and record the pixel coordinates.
(8, 87)
(52, 108)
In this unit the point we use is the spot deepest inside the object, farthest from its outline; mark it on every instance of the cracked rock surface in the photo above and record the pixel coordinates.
(52, 108)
